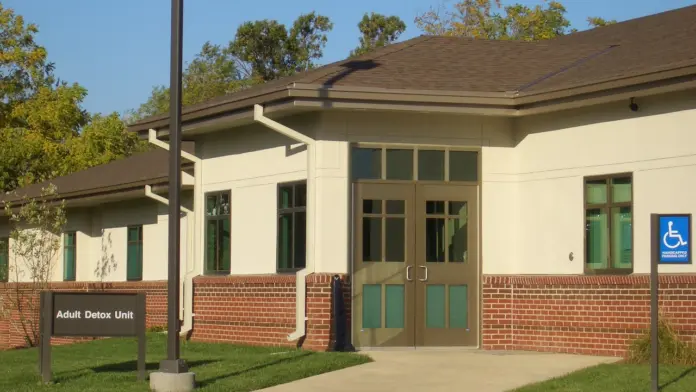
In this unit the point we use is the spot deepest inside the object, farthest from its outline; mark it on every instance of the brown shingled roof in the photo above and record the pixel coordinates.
(640, 46)
(146, 168)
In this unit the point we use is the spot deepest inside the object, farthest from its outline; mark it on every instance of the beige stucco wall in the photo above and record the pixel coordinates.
(339, 129)
(555, 152)
(101, 240)
(532, 175)
(530, 201)
(250, 162)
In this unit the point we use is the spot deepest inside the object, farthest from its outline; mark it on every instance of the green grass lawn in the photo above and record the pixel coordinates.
(619, 378)
(110, 365)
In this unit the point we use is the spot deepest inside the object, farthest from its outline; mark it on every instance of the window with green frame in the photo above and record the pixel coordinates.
(134, 268)
(608, 224)
(414, 164)
(292, 226)
(217, 233)
(69, 255)
(4, 259)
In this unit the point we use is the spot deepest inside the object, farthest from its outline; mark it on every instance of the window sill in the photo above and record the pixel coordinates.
(289, 271)
(134, 279)
(608, 271)
(216, 273)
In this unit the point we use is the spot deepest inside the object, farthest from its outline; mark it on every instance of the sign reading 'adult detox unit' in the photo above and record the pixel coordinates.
(675, 239)
(90, 314)
(82, 314)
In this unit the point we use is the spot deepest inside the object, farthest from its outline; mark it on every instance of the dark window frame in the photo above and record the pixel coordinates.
(290, 210)
(138, 242)
(74, 261)
(5, 251)
(415, 151)
(606, 207)
(208, 218)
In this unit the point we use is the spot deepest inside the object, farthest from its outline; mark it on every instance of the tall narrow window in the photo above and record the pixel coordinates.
(69, 255)
(608, 224)
(134, 268)
(292, 225)
(217, 233)
(4, 259)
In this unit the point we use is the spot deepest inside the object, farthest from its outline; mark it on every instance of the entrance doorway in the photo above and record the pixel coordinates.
(415, 270)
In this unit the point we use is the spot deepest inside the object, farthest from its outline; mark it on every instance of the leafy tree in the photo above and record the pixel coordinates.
(307, 39)
(595, 21)
(376, 31)
(41, 119)
(23, 64)
(262, 50)
(102, 140)
(267, 51)
(33, 143)
(37, 225)
(212, 73)
(481, 19)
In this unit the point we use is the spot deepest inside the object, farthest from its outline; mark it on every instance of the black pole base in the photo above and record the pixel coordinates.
(174, 366)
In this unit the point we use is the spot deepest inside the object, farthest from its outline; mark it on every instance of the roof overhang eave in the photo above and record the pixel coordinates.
(100, 196)
(304, 97)
(669, 76)
(205, 111)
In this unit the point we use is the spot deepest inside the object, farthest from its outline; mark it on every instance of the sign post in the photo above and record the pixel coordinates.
(93, 315)
(670, 244)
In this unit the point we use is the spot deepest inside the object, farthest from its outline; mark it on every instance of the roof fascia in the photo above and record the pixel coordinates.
(317, 97)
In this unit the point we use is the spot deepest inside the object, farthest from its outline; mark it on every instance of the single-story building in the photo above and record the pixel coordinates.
(492, 194)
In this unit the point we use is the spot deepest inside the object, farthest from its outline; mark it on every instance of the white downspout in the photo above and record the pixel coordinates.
(191, 224)
(301, 275)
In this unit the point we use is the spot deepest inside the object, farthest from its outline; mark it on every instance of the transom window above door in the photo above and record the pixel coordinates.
(414, 164)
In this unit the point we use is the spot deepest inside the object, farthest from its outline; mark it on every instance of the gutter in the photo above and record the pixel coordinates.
(90, 199)
(186, 312)
(301, 275)
(507, 104)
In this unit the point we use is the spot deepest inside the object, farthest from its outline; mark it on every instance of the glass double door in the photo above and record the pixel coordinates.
(415, 270)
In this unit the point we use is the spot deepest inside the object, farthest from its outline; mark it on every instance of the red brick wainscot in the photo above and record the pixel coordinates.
(12, 335)
(596, 315)
(260, 309)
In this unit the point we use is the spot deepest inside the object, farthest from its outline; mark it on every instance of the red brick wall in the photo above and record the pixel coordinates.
(260, 310)
(11, 333)
(597, 315)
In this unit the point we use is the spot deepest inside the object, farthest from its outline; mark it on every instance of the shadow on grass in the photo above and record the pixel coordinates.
(679, 377)
(132, 366)
(212, 380)
(123, 367)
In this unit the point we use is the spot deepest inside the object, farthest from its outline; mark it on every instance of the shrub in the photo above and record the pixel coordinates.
(157, 328)
(672, 350)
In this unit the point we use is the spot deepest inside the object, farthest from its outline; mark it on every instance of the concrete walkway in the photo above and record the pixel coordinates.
(445, 370)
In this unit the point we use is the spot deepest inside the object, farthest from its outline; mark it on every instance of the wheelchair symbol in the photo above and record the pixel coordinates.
(675, 238)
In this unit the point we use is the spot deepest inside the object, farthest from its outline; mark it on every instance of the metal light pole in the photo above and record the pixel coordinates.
(173, 364)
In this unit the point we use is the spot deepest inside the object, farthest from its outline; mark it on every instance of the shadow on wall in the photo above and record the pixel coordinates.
(616, 111)
(142, 211)
(256, 137)
(106, 264)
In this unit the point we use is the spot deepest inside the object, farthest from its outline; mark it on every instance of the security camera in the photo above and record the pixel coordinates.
(633, 106)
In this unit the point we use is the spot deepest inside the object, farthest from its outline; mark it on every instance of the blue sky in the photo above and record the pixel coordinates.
(118, 50)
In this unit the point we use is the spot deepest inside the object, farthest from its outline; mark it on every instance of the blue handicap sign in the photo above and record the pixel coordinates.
(675, 239)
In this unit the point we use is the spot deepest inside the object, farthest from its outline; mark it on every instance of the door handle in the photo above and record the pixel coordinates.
(408, 273)
(426, 273)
